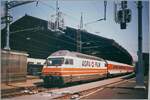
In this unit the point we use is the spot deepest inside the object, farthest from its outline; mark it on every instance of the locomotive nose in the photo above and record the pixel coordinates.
(53, 70)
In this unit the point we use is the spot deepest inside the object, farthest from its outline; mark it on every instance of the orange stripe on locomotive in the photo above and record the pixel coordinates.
(73, 71)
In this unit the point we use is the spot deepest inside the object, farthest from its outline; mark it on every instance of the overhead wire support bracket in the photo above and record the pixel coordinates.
(8, 18)
(104, 18)
(105, 5)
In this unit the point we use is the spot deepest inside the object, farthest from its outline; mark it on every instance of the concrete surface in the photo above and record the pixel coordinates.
(124, 90)
(27, 83)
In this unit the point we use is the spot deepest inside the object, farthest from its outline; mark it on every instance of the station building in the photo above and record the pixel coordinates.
(31, 35)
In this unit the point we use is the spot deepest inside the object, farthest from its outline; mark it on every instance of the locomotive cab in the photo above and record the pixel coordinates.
(58, 62)
(54, 62)
(53, 69)
(50, 71)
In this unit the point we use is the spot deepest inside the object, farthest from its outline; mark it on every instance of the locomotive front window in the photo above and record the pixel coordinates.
(55, 61)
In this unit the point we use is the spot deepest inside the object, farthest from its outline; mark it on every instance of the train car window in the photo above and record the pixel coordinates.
(67, 61)
(71, 61)
(99, 65)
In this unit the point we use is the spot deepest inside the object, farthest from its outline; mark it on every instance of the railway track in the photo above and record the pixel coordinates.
(85, 93)
(22, 91)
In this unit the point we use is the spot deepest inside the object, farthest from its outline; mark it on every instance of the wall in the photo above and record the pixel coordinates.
(13, 66)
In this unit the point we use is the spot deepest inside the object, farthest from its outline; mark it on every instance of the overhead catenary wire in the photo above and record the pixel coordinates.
(59, 39)
(47, 5)
(46, 44)
(51, 7)
(70, 37)
(34, 40)
(72, 17)
(39, 42)
(64, 35)
(37, 50)
(65, 14)
(104, 18)
(55, 9)
(30, 29)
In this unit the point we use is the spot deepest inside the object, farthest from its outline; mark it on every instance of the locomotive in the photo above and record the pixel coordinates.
(64, 66)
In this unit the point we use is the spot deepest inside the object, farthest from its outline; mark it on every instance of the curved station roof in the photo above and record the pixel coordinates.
(31, 34)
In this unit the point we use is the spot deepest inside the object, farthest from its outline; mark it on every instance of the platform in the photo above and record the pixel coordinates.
(31, 81)
(125, 90)
(113, 88)
(15, 87)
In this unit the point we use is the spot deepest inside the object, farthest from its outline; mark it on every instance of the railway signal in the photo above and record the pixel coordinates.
(128, 15)
(140, 73)
(123, 16)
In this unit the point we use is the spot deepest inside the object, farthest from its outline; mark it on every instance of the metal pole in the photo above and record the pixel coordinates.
(7, 47)
(115, 12)
(140, 74)
(79, 41)
(57, 16)
(105, 4)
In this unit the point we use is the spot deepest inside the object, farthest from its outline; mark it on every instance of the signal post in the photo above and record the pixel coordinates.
(139, 67)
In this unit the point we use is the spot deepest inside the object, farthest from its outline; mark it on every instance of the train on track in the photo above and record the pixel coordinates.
(64, 66)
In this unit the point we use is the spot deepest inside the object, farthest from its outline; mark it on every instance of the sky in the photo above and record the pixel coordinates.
(93, 10)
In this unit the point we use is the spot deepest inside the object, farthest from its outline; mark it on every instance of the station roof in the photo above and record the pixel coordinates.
(30, 34)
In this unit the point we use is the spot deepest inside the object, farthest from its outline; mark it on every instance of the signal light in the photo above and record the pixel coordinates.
(123, 17)
(127, 15)
(120, 16)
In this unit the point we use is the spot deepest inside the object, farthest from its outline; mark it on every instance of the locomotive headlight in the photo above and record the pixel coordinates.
(50, 62)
